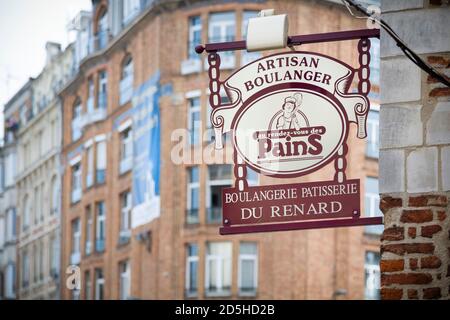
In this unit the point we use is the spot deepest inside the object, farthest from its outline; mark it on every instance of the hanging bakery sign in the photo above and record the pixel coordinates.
(289, 115)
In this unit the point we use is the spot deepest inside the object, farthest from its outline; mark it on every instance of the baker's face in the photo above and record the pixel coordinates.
(289, 107)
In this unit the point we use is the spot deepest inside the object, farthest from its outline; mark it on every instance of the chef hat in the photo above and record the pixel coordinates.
(290, 100)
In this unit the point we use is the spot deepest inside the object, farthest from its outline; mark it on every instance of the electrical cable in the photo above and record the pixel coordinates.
(409, 53)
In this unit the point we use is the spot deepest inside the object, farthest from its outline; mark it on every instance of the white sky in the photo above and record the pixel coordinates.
(25, 27)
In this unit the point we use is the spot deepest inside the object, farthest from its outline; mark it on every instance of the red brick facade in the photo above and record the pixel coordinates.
(311, 264)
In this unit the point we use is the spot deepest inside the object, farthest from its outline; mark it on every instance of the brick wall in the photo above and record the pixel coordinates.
(415, 154)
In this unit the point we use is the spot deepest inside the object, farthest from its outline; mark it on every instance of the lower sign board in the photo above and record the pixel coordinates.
(265, 206)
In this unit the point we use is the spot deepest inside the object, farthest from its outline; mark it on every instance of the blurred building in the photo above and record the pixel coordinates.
(38, 179)
(139, 225)
(23, 99)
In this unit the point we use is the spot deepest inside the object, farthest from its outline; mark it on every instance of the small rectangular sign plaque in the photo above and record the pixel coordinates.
(291, 203)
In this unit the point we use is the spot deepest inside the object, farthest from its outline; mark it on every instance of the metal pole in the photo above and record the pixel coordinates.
(295, 40)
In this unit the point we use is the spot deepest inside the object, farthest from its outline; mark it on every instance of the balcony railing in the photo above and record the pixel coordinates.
(125, 165)
(214, 215)
(192, 216)
(93, 116)
(100, 245)
(98, 114)
(126, 90)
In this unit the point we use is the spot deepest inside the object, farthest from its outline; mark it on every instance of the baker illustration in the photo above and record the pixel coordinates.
(288, 118)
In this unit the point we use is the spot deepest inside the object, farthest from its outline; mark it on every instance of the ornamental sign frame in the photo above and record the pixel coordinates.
(289, 115)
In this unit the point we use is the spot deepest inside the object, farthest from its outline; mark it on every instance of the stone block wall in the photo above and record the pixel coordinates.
(415, 153)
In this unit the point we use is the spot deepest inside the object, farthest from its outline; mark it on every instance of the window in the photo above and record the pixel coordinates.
(373, 135)
(25, 269)
(10, 169)
(10, 281)
(126, 150)
(222, 27)
(35, 263)
(90, 166)
(192, 270)
(100, 228)
(371, 205)
(194, 122)
(91, 94)
(88, 232)
(55, 196)
(210, 133)
(131, 9)
(77, 109)
(102, 30)
(193, 196)
(2, 235)
(87, 286)
(246, 16)
(26, 213)
(252, 177)
(10, 225)
(42, 201)
(24, 115)
(54, 257)
(26, 157)
(125, 281)
(41, 142)
(248, 57)
(125, 217)
(76, 182)
(75, 294)
(375, 61)
(219, 177)
(372, 276)
(76, 241)
(126, 82)
(99, 284)
(102, 90)
(248, 268)
(2, 175)
(37, 205)
(101, 162)
(218, 269)
(41, 261)
(76, 120)
(195, 36)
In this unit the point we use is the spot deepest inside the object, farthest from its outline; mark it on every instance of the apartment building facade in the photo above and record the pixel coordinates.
(140, 219)
(38, 179)
(8, 190)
